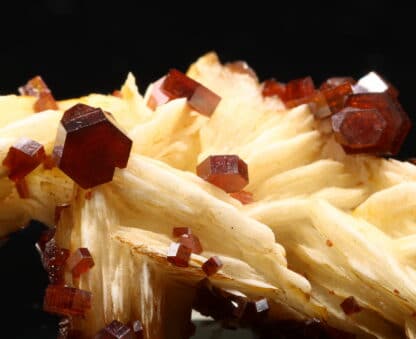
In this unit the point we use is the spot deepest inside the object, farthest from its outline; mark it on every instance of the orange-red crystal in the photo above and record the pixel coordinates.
(212, 265)
(36, 87)
(178, 254)
(66, 300)
(80, 262)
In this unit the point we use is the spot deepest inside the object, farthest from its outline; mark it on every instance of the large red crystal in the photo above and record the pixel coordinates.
(398, 123)
(228, 172)
(54, 259)
(350, 306)
(80, 262)
(192, 242)
(358, 129)
(23, 157)
(115, 330)
(178, 254)
(212, 265)
(36, 87)
(89, 146)
(200, 98)
(66, 300)
(374, 83)
(157, 96)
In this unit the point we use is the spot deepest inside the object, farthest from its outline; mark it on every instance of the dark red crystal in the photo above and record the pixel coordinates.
(243, 196)
(66, 300)
(115, 330)
(36, 87)
(178, 231)
(200, 98)
(358, 129)
(192, 242)
(350, 306)
(212, 265)
(80, 262)
(374, 83)
(157, 96)
(178, 254)
(54, 259)
(228, 172)
(299, 88)
(89, 146)
(23, 157)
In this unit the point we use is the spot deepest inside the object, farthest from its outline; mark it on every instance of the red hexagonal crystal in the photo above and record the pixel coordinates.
(358, 129)
(337, 95)
(178, 254)
(228, 172)
(23, 157)
(271, 87)
(89, 146)
(243, 196)
(200, 98)
(178, 231)
(54, 259)
(80, 262)
(212, 265)
(157, 96)
(36, 87)
(192, 242)
(66, 300)
(115, 330)
(398, 123)
(350, 306)
(374, 83)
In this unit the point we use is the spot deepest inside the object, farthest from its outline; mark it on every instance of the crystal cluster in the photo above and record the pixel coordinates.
(36, 87)
(177, 85)
(366, 116)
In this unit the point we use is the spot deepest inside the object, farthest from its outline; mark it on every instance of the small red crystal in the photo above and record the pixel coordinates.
(22, 188)
(178, 85)
(228, 172)
(374, 83)
(89, 146)
(179, 254)
(137, 327)
(178, 231)
(271, 87)
(80, 262)
(243, 196)
(36, 87)
(23, 157)
(115, 330)
(358, 129)
(54, 259)
(66, 300)
(212, 265)
(350, 306)
(157, 96)
(192, 242)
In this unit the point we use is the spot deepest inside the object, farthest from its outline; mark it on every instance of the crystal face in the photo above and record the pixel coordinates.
(80, 262)
(192, 242)
(350, 306)
(23, 157)
(66, 300)
(115, 330)
(178, 85)
(36, 87)
(374, 83)
(89, 146)
(212, 265)
(228, 172)
(178, 231)
(178, 254)
(157, 96)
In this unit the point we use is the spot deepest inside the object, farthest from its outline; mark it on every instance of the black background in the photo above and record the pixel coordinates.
(89, 46)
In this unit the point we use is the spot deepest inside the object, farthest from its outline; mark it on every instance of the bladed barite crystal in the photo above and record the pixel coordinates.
(89, 146)
(66, 300)
(80, 262)
(36, 87)
(228, 172)
(212, 265)
(178, 254)
(23, 157)
(115, 330)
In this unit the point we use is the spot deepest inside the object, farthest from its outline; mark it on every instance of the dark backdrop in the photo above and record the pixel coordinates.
(85, 46)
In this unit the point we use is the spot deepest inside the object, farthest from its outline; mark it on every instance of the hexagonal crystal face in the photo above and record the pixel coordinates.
(89, 146)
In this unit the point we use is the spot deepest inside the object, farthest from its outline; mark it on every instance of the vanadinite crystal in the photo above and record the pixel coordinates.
(115, 330)
(212, 265)
(271, 87)
(228, 172)
(54, 259)
(350, 306)
(89, 146)
(178, 231)
(66, 300)
(192, 242)
(23, 157)
(201, 99)
(179, 254)
(36, 87)
(157, 96)
(80, 262)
